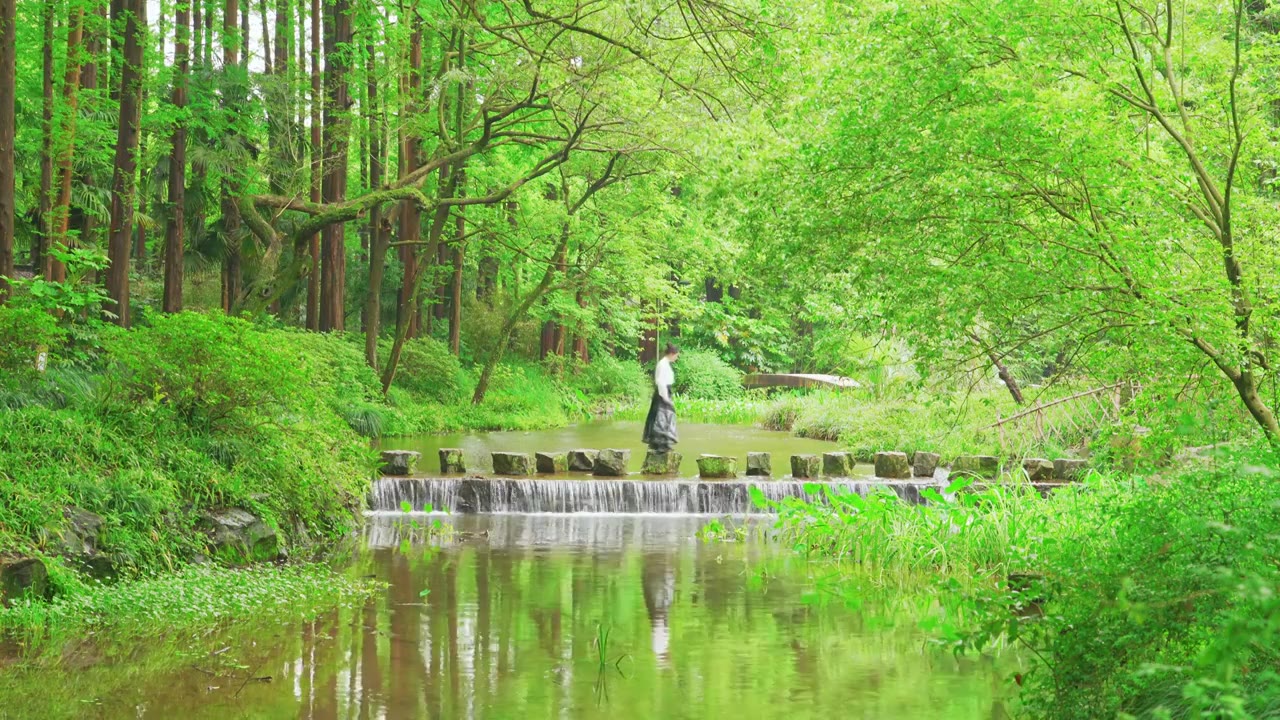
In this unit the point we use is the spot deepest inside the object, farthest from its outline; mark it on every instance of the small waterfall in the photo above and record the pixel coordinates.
(691, 497)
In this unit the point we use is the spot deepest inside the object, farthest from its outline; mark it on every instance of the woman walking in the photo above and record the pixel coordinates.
(660, 425)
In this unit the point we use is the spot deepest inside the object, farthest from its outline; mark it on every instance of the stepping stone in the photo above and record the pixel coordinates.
(805, 466)
(717, 467)
(983, 466)
(512, 463)
(759, 464)
(612, 463)
(1038, 469)
(837, 464)
(892, 465)
(399, 462)
(551, 463)
(451, 461)
(661, 463)
(582, 460)
(1069, 468)
(923, 464)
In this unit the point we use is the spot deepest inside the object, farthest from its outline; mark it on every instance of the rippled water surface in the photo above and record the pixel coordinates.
(553, 616)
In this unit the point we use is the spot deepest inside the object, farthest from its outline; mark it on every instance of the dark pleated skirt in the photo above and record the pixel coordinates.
(660, 425)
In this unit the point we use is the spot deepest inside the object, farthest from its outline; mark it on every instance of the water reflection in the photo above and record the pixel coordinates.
(506, 625)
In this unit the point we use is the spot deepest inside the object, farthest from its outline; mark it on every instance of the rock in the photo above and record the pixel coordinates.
(661, 463)
(1069, 468)
(582, 460)
(237, 535)
(983, 466)
(551, 463)
(80, 534)
(923, 464)
(451, 462)
(759, 464)
(512, 463)
(805, 466)
(837, 464)
(399, 462)
(612, 463)
(23, 577)
(1038, 469)
(713, 467)
(892, 465)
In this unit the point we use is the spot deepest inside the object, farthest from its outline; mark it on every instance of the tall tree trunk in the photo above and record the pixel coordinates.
(8, 128)
(95, 47)
(317, 168)
(268, 63)
(208, 35)
(377, 237)
(410, 213)
(144, 191)
(44, 232)
(459, 257)
(124, 176)
(173, 238)
(55, 270)
(336, 141)
(197, 32)
(231, 45)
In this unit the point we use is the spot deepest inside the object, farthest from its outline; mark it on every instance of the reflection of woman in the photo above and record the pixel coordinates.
(660, 425)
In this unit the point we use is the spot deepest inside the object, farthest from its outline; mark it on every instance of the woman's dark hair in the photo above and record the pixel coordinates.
(671, 350)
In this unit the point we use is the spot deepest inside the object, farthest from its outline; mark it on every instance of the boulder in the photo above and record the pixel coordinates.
(759, 464)
(1038, 469)
(612, 463)
(23, 577)
(582, 460)
(451, 461)
(237, 535)
(714, 467)
(983, 466)
(512, 463)
(923, 464)
(837, 464)
(1069, 468)
(892, 465)
(399, 462)
(551, 463)
(661, 463)
(79, 536)
(805, 466)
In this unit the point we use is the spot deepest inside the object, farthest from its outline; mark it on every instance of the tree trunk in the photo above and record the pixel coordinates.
(410, 213)
(124, 175)
(197, 33)
(333, 190)
(61, 213)
(508, 325)
(44, 231)
(317, 169)
(174, 235)
(231, 223)
(1006, 377)
(377, 239)
(459, 257)
(268, 63)
(8, 131)
(95, 48)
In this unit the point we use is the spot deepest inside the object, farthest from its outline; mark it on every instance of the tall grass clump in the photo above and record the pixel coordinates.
(1128, 597)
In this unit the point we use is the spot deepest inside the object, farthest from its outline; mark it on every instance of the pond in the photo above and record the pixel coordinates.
(555, 616)
(695, 439)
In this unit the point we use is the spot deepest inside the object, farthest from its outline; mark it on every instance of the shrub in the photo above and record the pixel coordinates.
(610, 379)
(25, 332)
(427, 369)
(213, 370)
(703, 375)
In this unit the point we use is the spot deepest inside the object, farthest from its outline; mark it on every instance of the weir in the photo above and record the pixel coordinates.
(484, 495)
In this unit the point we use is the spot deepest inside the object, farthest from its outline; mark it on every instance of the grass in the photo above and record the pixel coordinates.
(195, 598)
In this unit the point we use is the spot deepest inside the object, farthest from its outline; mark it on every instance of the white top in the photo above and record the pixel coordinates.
(664, 376)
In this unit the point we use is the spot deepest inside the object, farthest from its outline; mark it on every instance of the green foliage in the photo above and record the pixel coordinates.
(609, 380)
(427, 369)
(1134, 598)
(191, 600)
(702, 375)
(25, 331)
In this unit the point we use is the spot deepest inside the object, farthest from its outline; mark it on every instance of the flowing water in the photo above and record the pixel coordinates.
(555, 616)
(695, 440)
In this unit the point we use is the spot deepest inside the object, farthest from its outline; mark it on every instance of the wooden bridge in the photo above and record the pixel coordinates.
(794, 380)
